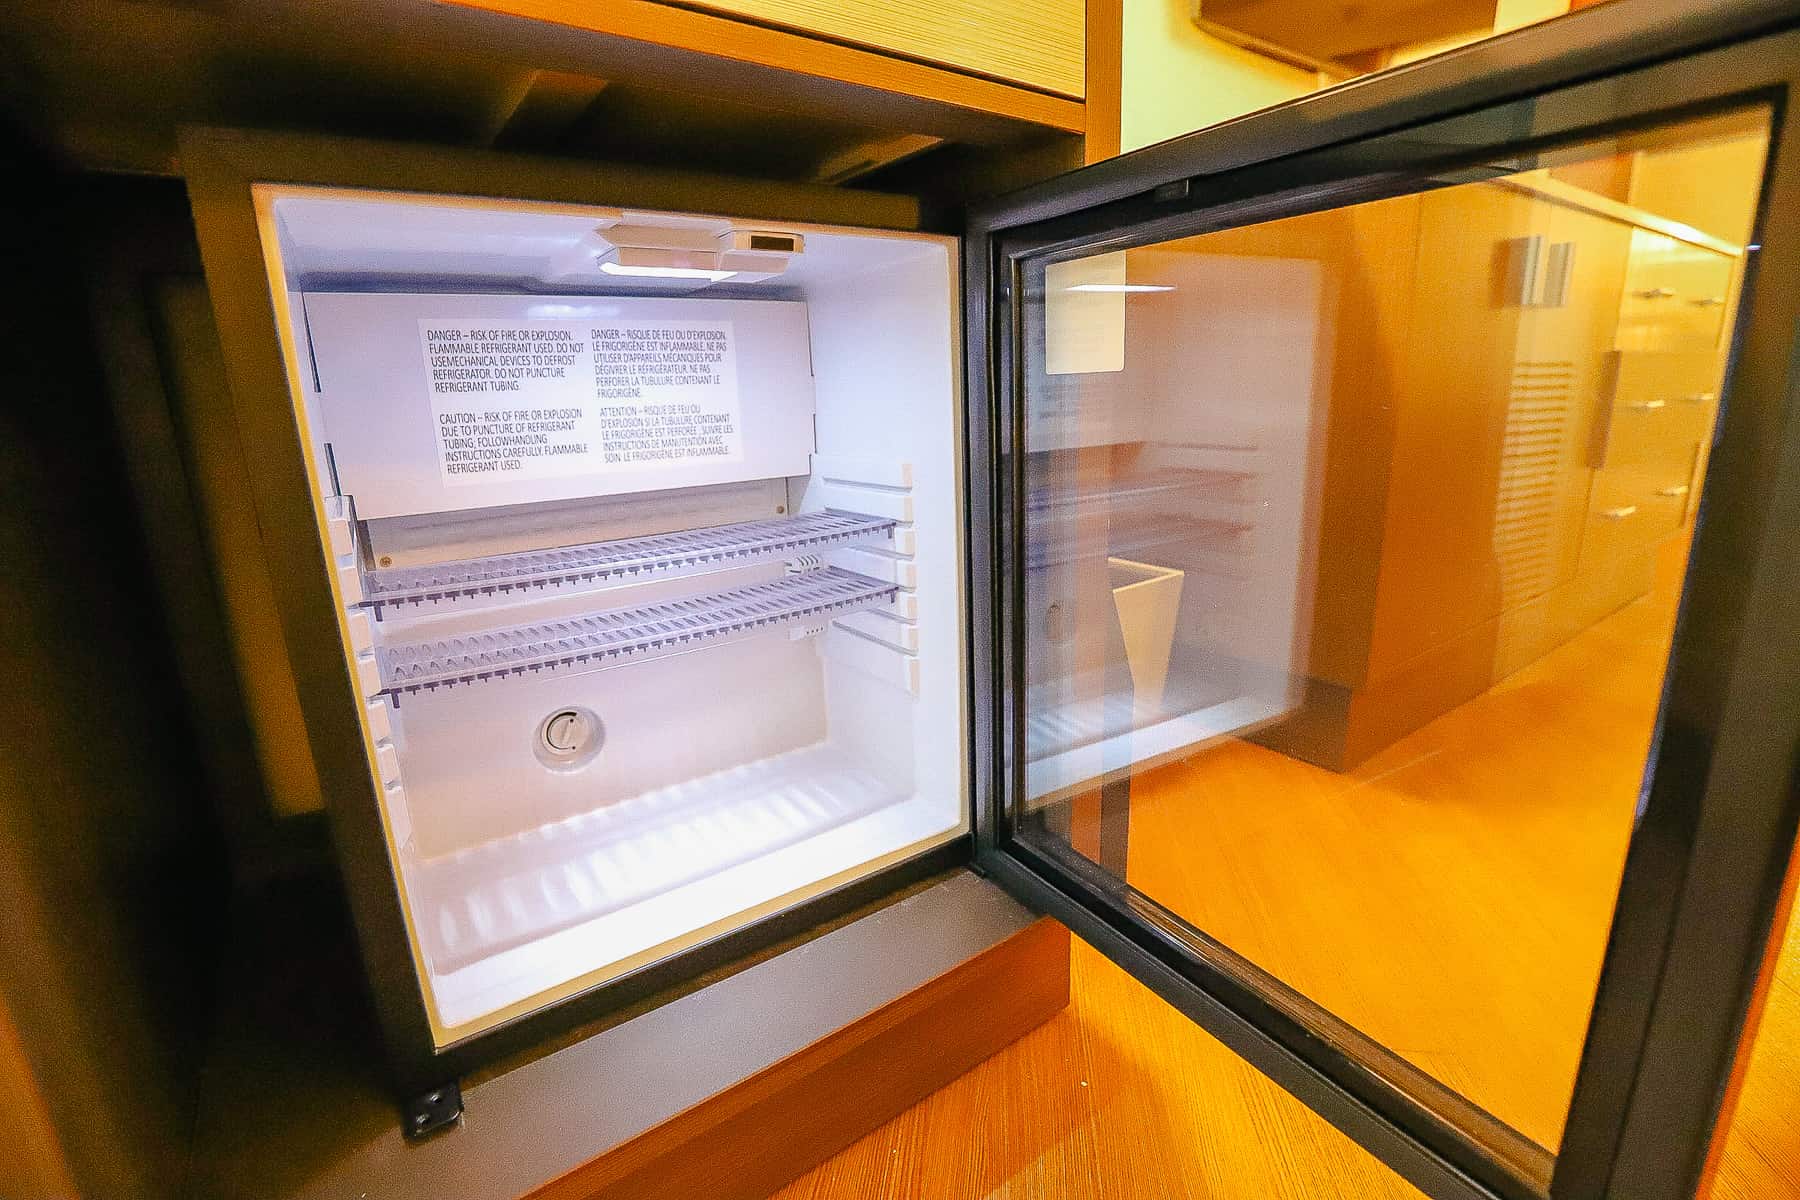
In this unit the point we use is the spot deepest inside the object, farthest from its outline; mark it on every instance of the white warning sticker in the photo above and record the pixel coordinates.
(668, 392)
(541, 399)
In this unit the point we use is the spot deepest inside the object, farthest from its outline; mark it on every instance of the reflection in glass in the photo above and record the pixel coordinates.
(1353, 542)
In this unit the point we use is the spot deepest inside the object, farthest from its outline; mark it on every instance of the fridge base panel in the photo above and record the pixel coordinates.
(724, 1091)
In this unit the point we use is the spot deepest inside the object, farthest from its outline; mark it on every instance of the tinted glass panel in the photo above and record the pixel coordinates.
(1353, 547)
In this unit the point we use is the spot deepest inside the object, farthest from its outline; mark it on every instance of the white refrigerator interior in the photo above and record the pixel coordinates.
(647, 533)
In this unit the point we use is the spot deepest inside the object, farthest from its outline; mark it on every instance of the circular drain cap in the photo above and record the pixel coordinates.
(568, 738)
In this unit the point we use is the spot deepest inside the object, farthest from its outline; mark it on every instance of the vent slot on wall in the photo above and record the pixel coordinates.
(1536, 461)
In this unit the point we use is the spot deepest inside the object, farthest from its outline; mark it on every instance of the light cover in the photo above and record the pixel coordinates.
(651, 271)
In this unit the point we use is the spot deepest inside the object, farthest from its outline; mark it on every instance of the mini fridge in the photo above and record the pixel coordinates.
(669, 563)
(674, 567)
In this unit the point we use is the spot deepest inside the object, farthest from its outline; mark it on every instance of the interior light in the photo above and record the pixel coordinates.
(1119, 287)
(613, 268)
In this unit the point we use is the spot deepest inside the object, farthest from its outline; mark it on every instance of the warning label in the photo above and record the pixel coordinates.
(668, 392)
(540, 399)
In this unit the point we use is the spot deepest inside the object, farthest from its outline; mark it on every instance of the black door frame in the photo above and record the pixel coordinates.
(1717, 819)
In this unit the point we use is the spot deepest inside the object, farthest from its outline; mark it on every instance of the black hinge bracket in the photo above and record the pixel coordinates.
(431, 1111)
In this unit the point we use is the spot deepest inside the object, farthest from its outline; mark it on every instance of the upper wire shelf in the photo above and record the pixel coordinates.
(646, 631)
(1133, 537)
(1138, 514)
(1163, 484)
(662, 555)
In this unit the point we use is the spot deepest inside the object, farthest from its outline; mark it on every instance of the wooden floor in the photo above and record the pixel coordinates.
(1450, 897)
(1762, 1145)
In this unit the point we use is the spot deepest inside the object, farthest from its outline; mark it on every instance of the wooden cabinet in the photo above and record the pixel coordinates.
(1665, 376)
(1490, 478)
(1038, 43)
(1568, 333)
(1550, 396)
(1438, 571)
(1661, 415)
(817, 91)
(1630, 510)
(1676, 294)
(988, 72)
(1661, 406)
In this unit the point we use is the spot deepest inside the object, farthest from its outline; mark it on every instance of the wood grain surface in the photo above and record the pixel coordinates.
(1452, 896)
(1121, 1098)
(1105, 88)
(655, 27)
(1757, 1148)
(1038, 43)
(1453, 905)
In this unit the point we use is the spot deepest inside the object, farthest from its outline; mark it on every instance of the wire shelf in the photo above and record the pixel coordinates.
(609, 638)
(1164, 484)
(1135, 515)
(631, 560)
(1140, 536)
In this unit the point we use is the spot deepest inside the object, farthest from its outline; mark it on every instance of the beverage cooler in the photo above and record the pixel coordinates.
(667, 563)
(677, 572)
(645, 568)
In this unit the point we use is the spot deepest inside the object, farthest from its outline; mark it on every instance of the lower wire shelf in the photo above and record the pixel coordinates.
(622, 635)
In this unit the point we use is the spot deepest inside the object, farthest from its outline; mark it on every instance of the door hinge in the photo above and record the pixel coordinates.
(431, 1111)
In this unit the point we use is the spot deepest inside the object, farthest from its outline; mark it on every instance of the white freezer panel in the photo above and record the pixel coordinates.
(439, 402)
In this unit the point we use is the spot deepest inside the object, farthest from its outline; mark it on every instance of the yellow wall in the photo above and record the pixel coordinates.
(1511, 14)
(1177, 79)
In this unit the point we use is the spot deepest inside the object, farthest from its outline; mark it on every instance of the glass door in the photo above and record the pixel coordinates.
(1380, 534)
